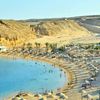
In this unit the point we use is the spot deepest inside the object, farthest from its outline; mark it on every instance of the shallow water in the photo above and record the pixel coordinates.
(31, 76)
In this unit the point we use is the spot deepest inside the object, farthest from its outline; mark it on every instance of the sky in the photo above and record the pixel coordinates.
(26, 9)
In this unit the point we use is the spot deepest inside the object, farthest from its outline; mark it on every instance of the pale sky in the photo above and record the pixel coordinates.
(26, 9)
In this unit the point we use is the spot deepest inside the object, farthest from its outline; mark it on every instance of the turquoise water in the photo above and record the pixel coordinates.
(31, 76)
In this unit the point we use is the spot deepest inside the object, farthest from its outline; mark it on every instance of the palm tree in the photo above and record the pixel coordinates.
(37, 46)
(0, 37)
(29, 46)
(53, 47)
(47, 46)
(62, 48)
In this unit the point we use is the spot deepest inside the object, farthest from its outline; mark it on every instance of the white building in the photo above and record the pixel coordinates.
(3, 49)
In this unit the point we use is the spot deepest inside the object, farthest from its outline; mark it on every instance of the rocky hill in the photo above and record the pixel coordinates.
(61, 31)
(59, 27)
(14, 33)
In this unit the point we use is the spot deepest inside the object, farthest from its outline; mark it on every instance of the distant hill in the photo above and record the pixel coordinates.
(82, 29)
(56, 26)
(92, 23)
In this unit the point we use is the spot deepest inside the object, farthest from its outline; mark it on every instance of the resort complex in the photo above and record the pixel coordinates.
(81, 62)
(40, 51)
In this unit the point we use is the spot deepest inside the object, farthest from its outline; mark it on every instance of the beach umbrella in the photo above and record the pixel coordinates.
(17, 98)
(49, 93)
(84, 92)
(90, 96)
(43, 98)
(91, 79)
(52, 96)
(96, 71)
(63, 96)
(38, 95)
(87, 82)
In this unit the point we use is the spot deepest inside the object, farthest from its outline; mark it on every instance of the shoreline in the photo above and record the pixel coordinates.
(53, 62)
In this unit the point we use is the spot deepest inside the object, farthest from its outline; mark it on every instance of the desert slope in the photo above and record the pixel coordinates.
(60, 31)
(14, 33)
(59, 27)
